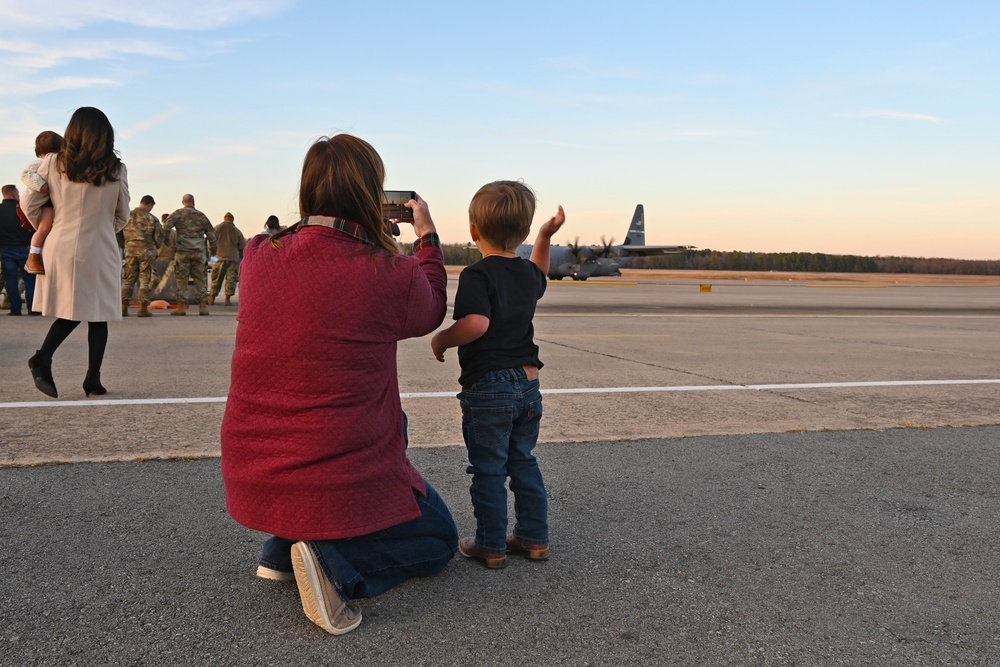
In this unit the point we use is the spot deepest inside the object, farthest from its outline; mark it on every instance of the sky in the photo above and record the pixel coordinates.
(866, 128)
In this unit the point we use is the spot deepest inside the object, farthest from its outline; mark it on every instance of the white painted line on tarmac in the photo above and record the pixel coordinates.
(114, 401)
(577, 390)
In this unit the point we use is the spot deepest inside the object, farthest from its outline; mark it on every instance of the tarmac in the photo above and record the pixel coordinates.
(767, 473)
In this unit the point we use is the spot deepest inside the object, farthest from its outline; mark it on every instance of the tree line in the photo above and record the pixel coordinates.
(461, 254)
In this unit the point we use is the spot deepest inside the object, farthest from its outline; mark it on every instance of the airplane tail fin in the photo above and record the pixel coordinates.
(637, 230)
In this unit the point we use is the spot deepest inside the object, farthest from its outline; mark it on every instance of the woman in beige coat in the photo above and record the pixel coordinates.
(88, 187)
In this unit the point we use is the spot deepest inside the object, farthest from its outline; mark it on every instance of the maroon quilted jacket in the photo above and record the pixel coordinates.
(312, 438)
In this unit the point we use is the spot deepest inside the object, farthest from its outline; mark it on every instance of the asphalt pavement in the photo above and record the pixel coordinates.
(830, 548)
(767, 475)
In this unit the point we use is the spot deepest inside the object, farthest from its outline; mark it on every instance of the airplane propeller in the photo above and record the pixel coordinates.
(606, 252)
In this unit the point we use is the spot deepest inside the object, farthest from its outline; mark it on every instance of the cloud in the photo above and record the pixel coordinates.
(18, 127)
(207, 156)
(35, 56)
(720, 133)
(893, 115)
(149, 123)
(41, 86)
(582, 98)
(169, 14)
(588, 66)
(169, 160)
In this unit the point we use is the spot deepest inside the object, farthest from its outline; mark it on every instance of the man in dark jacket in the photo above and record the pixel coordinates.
(14, 242)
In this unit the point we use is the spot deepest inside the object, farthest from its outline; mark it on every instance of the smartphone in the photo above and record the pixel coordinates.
(394, 207)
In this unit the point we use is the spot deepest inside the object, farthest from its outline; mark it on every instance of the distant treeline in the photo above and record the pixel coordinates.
(715, 260)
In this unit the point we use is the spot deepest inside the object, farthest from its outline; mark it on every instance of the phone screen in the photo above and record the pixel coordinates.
(394, 207)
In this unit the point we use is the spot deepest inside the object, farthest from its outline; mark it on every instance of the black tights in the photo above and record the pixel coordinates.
(97, 340)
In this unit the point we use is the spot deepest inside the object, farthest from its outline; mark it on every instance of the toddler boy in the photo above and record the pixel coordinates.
(500, 397)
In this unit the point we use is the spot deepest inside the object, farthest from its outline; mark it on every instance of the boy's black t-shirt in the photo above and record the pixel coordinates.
(504, 289)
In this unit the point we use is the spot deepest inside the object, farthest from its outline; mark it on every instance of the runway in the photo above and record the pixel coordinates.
(748, 476)
(641, 358)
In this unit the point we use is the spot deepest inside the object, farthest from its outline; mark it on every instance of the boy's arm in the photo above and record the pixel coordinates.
(32, 201)
(540, 252)
(462, 332)
(32, 180)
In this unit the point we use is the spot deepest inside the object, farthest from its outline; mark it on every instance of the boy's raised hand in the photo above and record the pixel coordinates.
(549, 229)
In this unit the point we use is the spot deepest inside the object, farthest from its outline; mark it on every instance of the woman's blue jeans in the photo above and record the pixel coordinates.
(12, 260)
(501, 413)
(369, 565)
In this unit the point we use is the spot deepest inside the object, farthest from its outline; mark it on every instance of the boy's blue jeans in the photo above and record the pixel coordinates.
(369, 565)
(501, 413)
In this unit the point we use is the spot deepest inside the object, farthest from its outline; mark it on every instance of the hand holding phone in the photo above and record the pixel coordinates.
(394, 207)
(422, 222)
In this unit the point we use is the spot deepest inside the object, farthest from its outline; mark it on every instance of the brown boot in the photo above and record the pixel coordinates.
(228, 302)
(203, 309)
(181, 309)
(211, 299)
(144, 310)
(516, 545)
(467, 547)
(34, 264)
(124, 307)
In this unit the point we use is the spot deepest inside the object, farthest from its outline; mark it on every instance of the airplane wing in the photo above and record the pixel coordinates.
(652, 250)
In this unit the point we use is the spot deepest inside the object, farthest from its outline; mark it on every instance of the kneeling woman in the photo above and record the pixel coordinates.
(314, 435)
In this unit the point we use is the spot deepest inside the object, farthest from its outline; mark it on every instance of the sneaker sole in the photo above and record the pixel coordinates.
(271, 574)
(307, 576)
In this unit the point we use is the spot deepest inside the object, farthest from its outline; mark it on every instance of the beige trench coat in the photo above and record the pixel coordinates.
(83, 266)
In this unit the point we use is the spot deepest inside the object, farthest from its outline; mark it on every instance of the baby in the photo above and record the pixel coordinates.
(45, 143)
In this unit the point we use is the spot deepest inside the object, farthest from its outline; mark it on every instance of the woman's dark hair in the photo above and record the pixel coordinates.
(272, 222)
(342, 177)
(88, 154)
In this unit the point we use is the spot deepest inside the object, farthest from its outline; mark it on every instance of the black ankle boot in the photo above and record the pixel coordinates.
(92, 384)
(41, 373)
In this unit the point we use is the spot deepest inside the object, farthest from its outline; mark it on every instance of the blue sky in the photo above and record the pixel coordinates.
(850, 127)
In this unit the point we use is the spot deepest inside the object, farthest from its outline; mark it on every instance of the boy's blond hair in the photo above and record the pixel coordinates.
(502, 212)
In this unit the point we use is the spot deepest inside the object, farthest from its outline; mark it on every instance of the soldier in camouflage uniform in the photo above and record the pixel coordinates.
(142, 236)
(190, 259)
(231, 244)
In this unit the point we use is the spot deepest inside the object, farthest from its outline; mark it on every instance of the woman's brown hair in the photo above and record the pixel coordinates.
(88, 154)
(342, 177)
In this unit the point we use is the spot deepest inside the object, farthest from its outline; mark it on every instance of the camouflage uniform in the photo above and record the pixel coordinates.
(143, 236)
(190, 260)
(231, 243)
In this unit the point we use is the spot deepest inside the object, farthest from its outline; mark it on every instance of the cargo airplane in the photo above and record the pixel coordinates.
(581, 262)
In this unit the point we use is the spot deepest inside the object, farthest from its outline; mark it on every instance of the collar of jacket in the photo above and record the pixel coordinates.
(341, 225)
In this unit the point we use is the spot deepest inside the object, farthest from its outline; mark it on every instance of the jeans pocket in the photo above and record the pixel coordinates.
(531, 420)
(491, 426)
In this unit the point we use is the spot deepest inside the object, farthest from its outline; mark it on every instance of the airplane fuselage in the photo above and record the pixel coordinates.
(565, 263)
(581, 262)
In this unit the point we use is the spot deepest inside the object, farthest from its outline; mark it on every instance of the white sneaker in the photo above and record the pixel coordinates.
(320, 600)
(265, 572)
